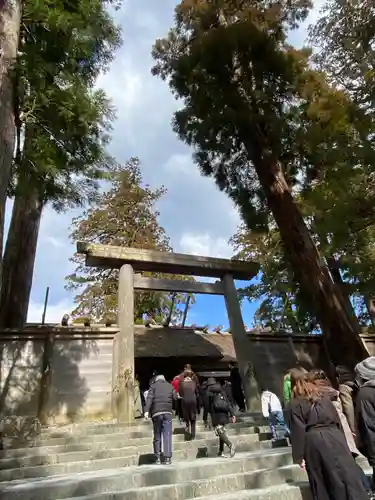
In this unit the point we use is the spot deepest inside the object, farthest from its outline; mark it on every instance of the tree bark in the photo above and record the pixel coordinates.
(10, 19)
(341, 329)
(19, 259)
(370, 305)
(336, 276)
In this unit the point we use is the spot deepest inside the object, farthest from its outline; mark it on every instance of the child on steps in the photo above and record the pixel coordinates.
(272, 409)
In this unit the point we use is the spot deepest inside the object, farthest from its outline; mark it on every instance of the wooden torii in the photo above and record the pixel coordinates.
(132, 262)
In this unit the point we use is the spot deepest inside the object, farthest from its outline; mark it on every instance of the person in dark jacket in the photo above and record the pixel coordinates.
(218, 407)
(320, 379)
(236, 382)
(319, 446)
(159, 405)
(365, 410)
(189, 397)
(227, 388)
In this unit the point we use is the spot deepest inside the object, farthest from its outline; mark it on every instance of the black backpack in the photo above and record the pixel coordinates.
(220, 403)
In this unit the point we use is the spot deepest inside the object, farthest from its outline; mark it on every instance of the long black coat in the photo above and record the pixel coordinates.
(365, 417)
(189, 394)
(317, 438)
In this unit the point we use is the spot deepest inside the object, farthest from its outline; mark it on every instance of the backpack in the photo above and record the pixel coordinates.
(220, 403)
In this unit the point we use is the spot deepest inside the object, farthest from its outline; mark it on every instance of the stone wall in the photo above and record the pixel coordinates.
(79, 383)
(80, 377)
(272, 356)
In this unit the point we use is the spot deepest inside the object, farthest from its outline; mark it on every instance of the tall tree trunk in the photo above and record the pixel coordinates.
(336, 276)
(370, 306)
(19, 259)
(341, 329)
(10, 19)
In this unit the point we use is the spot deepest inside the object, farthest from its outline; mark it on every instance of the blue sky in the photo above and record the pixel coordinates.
(198, 218)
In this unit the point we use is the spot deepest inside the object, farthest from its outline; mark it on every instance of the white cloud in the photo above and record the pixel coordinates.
(55, 242)
(54, 313)
(205, 245)
(180, 164)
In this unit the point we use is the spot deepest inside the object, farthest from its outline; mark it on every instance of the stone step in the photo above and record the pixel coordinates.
(101, 425)
(178, 430)
(123, 479)
(48, 465)
(74, 442)
(139, 426)
(218, 485)
(300, 490)
(56, 436)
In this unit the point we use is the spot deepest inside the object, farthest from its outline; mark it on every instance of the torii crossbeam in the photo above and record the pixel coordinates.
(132, 262)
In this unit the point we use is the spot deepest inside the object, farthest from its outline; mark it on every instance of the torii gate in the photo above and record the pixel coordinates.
(132, 262)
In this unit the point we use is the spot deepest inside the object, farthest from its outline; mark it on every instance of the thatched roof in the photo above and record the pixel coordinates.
(182, 342)
(151, 342)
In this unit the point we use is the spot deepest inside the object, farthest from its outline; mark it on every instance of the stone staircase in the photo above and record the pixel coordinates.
(108, 461)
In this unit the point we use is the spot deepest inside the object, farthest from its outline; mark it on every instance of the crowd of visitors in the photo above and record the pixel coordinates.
(329, 422)
(187, 398)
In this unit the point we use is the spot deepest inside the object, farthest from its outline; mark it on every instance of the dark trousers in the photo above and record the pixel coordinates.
(221, 433)
(190, 428)
(179, 409)
(163, 432)
(239, 398)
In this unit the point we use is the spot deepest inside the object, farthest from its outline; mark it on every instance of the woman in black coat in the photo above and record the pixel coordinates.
(320, 447)
(365, 409)
(189, 398)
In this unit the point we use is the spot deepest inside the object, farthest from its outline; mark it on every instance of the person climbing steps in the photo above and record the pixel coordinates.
(216, 405)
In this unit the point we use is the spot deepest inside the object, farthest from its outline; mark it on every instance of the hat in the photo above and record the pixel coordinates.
(211, 381)
(366, 369)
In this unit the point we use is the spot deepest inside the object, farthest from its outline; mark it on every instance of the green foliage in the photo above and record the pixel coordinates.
(344, 40)
(343, 37)
(265, 125)
(62, 122)
(282, 305)
(238, 79)
(123, 216)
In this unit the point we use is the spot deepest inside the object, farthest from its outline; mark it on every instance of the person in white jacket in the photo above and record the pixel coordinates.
(272, 409)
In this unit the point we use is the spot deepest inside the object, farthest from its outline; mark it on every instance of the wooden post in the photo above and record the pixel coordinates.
(45, 306)
(125, 345)
(241, 343)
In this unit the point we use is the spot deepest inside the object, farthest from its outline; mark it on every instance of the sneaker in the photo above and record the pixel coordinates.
(221, 454)
(157, 461)
(168, 461)
(232, 450)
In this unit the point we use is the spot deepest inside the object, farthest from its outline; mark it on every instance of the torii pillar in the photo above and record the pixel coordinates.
(241, 344)
(123, 349)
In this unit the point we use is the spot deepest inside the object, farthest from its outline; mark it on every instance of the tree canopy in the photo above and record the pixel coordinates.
(125, 215)
(62, 124)
(337, 196)
(266, 125)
